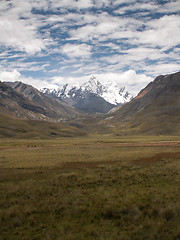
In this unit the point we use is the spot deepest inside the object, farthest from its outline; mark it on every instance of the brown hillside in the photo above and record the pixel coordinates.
(26, 102)
(155, 110)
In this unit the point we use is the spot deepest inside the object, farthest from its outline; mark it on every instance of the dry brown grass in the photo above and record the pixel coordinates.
(90, 188)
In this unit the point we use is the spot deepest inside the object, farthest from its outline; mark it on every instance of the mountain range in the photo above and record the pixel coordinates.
(154, 111)
(92, 96)
(26, 102)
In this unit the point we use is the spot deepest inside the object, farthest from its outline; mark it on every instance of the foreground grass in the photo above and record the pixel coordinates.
(90, 188)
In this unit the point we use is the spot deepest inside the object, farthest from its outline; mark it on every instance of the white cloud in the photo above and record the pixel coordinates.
(80, 4)
(148, 6)
(162, 68)
(118, 2)
(154, 33)
(134, 82)
(104, 27)
(160, 32)
(170, 7)
(18, 32)
(142, 53)
(77, 50)
(37, 83)
(10, 76)
(77, 4)
(95, 42)
(84, 4)
(149, 60)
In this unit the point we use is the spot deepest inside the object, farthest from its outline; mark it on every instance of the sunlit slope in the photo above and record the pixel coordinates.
(25, 102)
(155, 110)
(16, 128)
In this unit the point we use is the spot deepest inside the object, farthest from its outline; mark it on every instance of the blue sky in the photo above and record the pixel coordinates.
(47, 43)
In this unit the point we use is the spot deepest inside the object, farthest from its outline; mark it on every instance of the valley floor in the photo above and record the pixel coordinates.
(98, 187)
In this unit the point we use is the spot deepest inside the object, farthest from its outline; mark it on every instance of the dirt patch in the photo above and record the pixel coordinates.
(148, 144)
(81, 165)
(142, 94)
(157, 157)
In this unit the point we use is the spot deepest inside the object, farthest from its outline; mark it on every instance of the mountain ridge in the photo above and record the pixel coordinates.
(40, 106)
(107, 95)
(155, 110)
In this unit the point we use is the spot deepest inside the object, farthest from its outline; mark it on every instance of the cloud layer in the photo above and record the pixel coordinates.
(127, 41)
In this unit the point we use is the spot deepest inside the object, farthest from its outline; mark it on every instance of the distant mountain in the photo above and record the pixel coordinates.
(91, 96)
(155, 110)
(110, 91)
(25, 102)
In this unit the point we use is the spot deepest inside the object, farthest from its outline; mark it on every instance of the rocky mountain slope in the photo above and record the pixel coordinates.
(91, 96)
(155, 110)
(25, 102)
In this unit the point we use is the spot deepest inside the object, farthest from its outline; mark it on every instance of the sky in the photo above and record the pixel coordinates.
(47, 43)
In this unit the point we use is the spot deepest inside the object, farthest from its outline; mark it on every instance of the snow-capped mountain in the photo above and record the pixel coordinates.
(66, 91)
(109, 91)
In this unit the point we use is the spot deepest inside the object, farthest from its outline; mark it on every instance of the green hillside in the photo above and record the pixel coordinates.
(15, 128)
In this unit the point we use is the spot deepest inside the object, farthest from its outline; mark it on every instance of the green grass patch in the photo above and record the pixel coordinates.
(103, 188)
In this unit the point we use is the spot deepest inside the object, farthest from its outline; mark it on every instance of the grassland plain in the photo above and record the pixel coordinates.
(97, 187)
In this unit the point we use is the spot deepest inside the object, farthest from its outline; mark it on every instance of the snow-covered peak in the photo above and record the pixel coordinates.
(93, 85)
(92, 79)
(110, 91)
(61, 92)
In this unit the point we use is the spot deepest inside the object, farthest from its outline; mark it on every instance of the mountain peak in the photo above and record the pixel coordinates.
(110, 92)
(93, 86)
(92, 78)
(93, 81)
